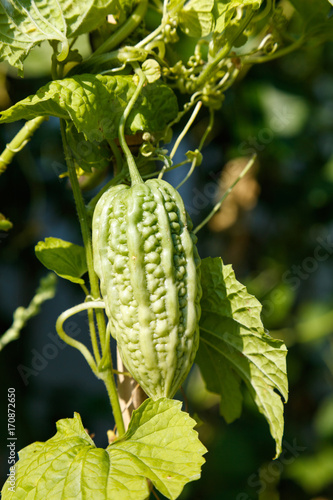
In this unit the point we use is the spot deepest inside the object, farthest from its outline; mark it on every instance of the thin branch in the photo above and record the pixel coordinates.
(19, 141)
(186, 128)
(217, 207)
(75, 343)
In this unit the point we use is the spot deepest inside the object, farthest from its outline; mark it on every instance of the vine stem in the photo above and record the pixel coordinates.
(92, 328)
(133, 170)
(108, 379)
(19, 141)
(75, 343)
(186, 128)
(202, 142)
(154, 34)
(282, 52)
(124, 30)
(105, 375)
(217, 207)
(188, 175)
(82, 214)
(208, 130)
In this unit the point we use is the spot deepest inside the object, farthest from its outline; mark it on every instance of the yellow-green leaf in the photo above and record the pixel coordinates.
(234, 347)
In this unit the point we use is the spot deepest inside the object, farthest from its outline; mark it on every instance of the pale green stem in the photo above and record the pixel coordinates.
(203, 139)
(64, 51)
(124, 30)
(103, 374)
(107, 372)
(157, 31)
(92, 329)
(188, 175)
(118, 157)
(268, 7)
(104, 362)
(186, 128)
(19, 141)
(153, 174)
(108, 379)
(133, 170)
(75, 343)
(86, 236)
(208, 130)
(93, 60)
(150, 37)
(279, 53)
(180, 115)
(54, 61)
(217, 207)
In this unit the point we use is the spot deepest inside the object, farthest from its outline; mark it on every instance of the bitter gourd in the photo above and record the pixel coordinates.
(149, 269)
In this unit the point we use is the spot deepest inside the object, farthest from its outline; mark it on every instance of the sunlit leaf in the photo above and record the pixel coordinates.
(5, 224)
(196, 18)
(160, 445)
(25, 24)
(234, 347)
(95, 104)
(226, 9)
(64, 258)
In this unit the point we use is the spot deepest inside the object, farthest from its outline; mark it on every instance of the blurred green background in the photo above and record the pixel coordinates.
(276, 229)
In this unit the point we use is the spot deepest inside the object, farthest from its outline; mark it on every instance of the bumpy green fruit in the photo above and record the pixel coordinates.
(149, 268)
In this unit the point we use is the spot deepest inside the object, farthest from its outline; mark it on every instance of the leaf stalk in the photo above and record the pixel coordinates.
(19, 141)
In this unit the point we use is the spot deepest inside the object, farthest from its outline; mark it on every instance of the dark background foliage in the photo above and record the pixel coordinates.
(276, 232)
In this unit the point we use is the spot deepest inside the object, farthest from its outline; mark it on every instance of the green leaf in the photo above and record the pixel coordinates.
(83, 16)
(309, 9)
(234, 347)
(95, 104)
(45, 291)
(315, 16)
(25, 24)
(87, 154)
(160, 445)
(66, 259)
(5, 224)
(174, 7)
(152, 70)
(225, 10)
(196, 18)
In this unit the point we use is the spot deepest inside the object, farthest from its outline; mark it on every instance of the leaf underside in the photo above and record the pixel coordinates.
(66, 259)
(234, 348)
(95, 104)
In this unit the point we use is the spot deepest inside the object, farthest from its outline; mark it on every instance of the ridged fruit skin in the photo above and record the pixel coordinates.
(149, 269)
